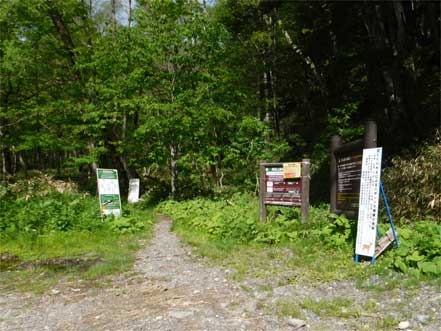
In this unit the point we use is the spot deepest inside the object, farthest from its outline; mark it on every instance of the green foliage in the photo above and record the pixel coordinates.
(338, 232)
(419, 249)
(236, 220)
(38, 207)
(46, 229)
(413, 184)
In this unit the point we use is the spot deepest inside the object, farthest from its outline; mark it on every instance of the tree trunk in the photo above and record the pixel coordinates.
(114, 15)
(173, 170)
(129, 14)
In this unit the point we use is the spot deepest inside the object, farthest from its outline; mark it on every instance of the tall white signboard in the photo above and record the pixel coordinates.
(368, 203)
(133, 190)
(108, 191)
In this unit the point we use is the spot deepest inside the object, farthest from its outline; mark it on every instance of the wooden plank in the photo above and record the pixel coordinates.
(384, 242)
(305, 191)
(262, 190)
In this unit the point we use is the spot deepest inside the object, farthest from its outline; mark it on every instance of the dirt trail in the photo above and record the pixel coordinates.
(170, 290)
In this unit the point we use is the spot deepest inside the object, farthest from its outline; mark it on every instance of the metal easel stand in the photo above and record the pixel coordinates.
(392, 225)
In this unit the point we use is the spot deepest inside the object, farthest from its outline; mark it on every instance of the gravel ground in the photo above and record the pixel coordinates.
(171, 289)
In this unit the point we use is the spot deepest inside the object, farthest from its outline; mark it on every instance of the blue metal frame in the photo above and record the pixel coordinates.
(394, 231)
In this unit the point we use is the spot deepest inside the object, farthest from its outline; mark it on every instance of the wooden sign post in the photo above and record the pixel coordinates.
(346, 161)
(283, 184)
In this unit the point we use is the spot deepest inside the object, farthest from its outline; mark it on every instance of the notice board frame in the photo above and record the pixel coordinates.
(354, 151)
(304, 179)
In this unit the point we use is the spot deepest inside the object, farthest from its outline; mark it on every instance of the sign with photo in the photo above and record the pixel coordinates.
(108, 192)
(368, 202)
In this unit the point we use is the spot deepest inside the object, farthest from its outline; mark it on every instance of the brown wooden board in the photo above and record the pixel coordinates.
(345, 170)
(281, 191)
(348, 180)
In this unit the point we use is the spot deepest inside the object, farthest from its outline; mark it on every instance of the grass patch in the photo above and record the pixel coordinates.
(304, 261)
(335, 307)
(290, 308)
(110, 251)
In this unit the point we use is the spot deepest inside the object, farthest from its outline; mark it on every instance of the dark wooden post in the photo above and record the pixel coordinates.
(370, 134)
(262, 190)
(305, 190)
(336, 142)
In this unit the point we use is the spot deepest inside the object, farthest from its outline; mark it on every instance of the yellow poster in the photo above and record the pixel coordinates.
(292, 170)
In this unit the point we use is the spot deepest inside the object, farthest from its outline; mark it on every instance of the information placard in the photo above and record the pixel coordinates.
(279, 190)
(133, 190)
(368, 202)
(292, 170)
(108, 191)
(348, 181)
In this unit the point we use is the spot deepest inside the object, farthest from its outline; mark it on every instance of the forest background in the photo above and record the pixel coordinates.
(188, 96)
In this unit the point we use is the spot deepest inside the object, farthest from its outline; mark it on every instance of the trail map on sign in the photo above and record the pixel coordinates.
(368, 203)
(108, 191)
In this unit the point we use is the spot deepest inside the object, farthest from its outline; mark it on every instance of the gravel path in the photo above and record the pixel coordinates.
(171, 290)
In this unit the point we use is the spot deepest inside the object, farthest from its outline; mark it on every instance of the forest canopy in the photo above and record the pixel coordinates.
(189, 95)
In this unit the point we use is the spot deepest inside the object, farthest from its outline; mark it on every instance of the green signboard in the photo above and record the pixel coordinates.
(108, 192)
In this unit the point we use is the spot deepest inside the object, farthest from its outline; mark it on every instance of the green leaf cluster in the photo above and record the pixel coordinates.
(35, 208)
(419, 249)
(235, 219)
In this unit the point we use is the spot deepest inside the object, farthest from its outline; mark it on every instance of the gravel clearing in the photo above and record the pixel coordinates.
(172, 289)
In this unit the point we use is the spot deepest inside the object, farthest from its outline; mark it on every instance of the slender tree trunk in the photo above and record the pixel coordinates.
(129, 14)
(274, 104)
(114, 15)
(22, 163)
(93, 165)
(173, 169)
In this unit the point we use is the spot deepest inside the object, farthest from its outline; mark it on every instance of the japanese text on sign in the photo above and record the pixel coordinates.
(281, 191)
(348, 181)
(368, 202)
(108, 191)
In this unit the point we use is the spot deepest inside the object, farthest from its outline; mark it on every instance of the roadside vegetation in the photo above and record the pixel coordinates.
(188, 96)
(321, 250)
(50, 230)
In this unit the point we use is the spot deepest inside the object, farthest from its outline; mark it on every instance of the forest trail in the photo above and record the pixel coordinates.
(169, 290)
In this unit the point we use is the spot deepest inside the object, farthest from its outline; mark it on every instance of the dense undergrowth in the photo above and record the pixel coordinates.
(235, 220)
(50, 225)
(414, 182)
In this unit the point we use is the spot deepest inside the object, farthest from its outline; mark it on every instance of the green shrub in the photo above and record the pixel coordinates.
(37, 208)
(419, 249)
(236, 220)
(413, 184)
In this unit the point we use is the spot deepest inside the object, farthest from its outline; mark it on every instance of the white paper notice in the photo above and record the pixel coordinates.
(133, 190)
(368, 203)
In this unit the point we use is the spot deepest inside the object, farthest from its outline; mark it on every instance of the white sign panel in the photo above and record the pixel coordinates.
(133, 190)
(108, 191)
(368, 203)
